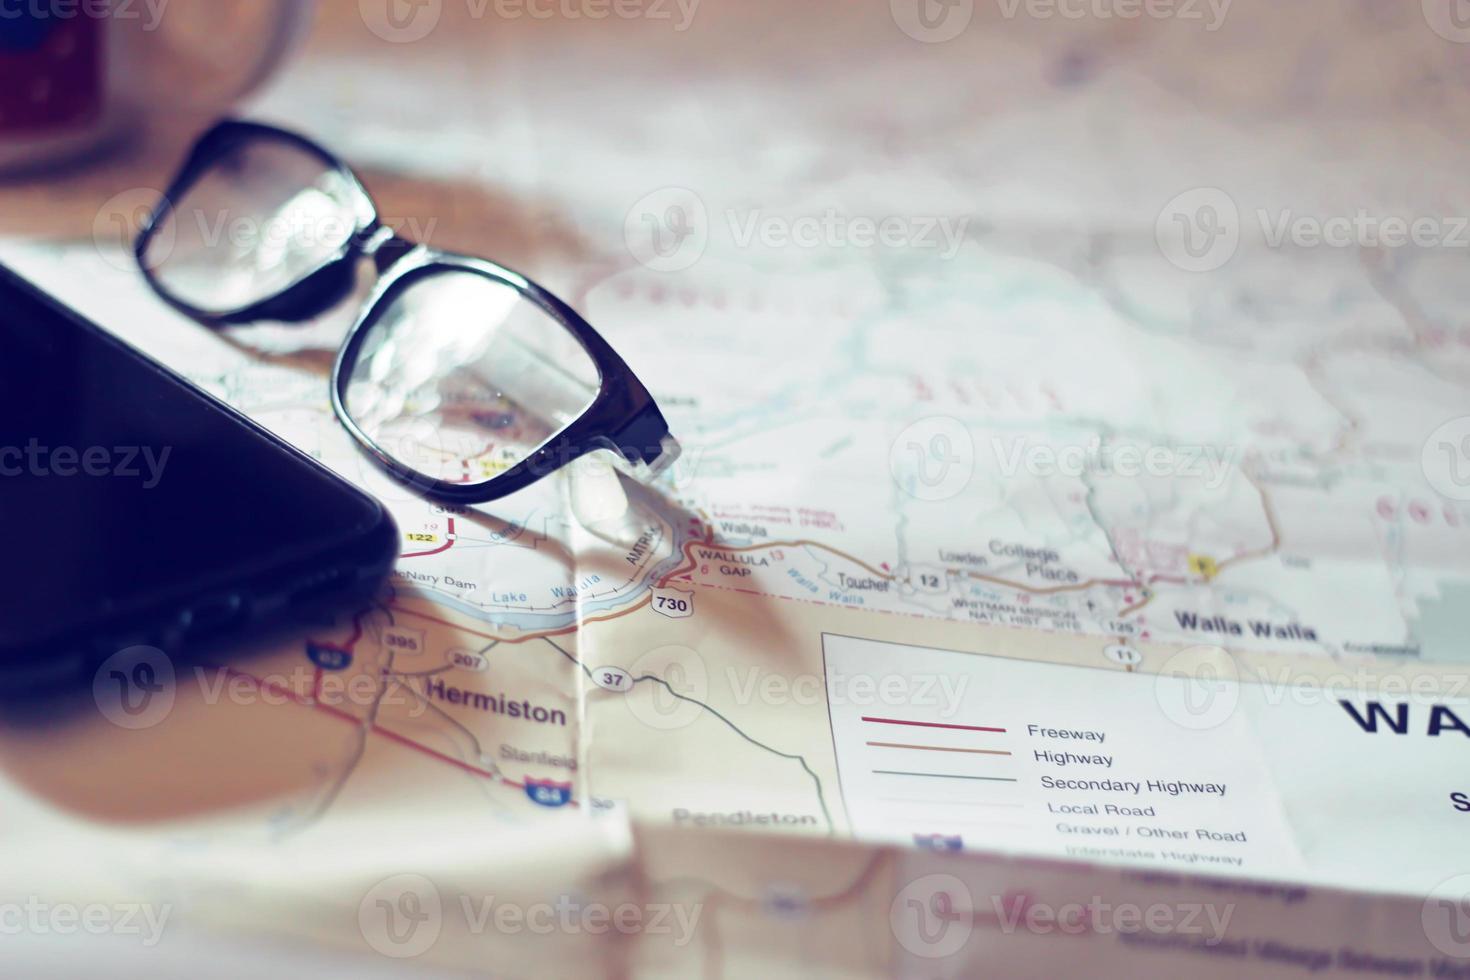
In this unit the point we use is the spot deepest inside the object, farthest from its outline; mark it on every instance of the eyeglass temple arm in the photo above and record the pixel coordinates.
(645, 443)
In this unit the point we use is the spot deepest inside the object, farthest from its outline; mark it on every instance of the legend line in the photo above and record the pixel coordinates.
(937, 748)
(931, 724)
(914, 802)
(943, 775)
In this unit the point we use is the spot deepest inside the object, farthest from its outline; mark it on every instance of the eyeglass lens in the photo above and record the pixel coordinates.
(264, 216)
(460, 377)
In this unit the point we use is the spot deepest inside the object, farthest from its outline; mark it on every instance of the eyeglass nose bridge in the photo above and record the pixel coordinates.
(383, 245)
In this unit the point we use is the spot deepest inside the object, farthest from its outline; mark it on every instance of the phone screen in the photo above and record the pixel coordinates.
(122, 488)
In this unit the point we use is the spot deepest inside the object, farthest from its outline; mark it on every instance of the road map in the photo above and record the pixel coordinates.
(1046, 575)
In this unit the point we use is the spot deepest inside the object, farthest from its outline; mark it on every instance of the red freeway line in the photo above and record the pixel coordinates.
(932, 724)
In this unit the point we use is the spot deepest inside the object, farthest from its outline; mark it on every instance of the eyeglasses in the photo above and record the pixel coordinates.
(461, 378)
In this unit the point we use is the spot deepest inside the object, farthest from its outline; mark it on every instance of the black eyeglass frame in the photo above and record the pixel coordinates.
(622, 416)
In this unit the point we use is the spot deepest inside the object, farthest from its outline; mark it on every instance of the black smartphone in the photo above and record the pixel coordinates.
(137, 509)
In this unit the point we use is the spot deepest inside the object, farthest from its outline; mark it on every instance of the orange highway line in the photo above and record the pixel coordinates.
(937, 748)
(1049, 590)
(1262, 552)
(376, 729)
(799, 543)
(531, 636)
(804, 543)
(1137, 605)
(1270, 513)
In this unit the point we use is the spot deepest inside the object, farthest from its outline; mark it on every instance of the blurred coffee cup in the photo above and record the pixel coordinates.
(77, 76)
